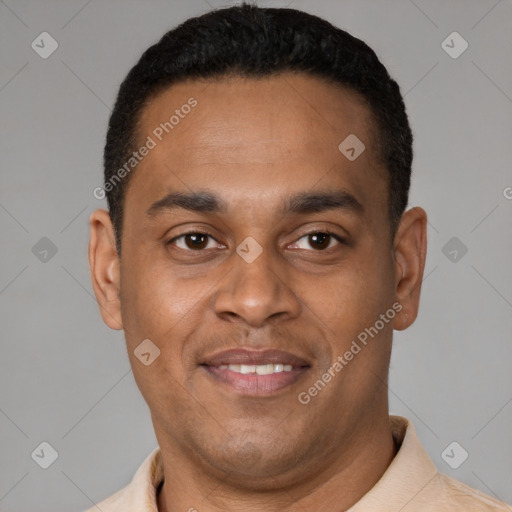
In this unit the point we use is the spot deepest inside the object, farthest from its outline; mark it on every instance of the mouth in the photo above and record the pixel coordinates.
(255, 373)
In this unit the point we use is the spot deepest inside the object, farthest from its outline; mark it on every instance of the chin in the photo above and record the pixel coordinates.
(255, 466)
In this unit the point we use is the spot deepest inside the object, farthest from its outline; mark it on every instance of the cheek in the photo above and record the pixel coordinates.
(155, 318)
(153, 298)
(159, 305)
(359, 293)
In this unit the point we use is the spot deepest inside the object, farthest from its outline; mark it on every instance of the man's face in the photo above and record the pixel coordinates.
(255, 144)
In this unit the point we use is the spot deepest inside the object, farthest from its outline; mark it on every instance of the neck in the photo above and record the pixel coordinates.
(335, 487)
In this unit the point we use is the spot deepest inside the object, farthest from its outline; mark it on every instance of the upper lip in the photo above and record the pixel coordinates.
(254, 357)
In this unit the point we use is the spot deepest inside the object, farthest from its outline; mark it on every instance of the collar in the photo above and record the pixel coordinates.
(410, 472)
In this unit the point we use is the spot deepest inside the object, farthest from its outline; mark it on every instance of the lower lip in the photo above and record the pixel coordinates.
(254, 384)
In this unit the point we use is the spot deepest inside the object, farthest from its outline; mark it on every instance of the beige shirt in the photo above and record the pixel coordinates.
(411, 483)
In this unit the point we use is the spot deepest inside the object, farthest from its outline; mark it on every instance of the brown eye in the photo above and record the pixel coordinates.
(319, 240)
(194, 241)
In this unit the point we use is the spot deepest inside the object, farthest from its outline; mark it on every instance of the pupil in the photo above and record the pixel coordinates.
(320, 238)
(194, 238)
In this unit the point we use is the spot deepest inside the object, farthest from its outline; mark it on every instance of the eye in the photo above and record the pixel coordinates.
(198, 240)
(320, 240)
(194, 240)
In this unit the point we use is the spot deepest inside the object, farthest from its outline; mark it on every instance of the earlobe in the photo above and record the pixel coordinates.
(104, 268)
(410, 250)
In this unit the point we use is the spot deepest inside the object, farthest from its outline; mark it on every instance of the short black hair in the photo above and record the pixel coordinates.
(251, 41)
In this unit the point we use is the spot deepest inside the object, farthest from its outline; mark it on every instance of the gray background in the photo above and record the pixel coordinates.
(65, 377)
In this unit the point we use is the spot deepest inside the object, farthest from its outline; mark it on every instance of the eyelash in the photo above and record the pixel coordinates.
(191, 233)
(337, 237)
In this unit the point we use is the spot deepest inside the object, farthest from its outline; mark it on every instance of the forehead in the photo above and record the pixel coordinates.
(251, 137)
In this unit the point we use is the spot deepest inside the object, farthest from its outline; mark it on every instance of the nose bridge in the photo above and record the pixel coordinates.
(255, 290)
(255, 277)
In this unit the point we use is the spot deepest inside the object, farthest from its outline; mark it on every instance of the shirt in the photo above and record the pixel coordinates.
(410, 483)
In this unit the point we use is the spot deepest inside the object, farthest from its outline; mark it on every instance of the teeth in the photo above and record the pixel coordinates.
(260, 369)
(265, 369)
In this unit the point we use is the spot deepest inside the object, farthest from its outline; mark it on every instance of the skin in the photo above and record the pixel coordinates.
(253, 143)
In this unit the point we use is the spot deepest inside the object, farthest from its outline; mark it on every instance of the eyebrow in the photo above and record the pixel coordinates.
(301, 203)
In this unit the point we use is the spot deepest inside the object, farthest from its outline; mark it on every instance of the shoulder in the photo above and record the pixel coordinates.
(140, 493)
(115, 502)
(459, 496)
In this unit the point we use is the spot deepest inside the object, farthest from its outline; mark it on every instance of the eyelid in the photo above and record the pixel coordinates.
(193, 232)
(339, 238)
(325, 230)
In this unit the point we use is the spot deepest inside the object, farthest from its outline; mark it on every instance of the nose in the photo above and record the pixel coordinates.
(256, 293)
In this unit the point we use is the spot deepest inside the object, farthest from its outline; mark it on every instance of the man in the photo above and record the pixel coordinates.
(258, 255)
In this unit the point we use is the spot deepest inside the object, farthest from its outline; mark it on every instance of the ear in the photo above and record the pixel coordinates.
(410, 250)
(104, 266)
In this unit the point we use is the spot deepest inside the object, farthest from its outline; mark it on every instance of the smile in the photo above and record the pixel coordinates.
(248, 380)
(261, 369)
(255, 372)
